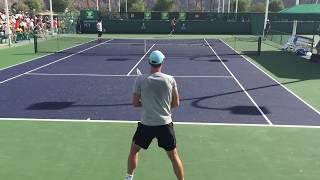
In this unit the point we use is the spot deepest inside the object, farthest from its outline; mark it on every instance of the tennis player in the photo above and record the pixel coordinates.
(173, 23)
(268, 27)
(99, 29)
(156, 93)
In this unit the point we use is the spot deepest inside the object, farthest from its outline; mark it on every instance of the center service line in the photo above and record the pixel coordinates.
(140, 60)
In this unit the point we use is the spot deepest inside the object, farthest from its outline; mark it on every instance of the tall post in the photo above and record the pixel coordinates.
(201, 6)
(265, 17)
(237, 4)
(218, 6)
(295, 23)
(97, 2)
(228, 6)
(119, 5)
(51, 17)
(109, 4)
(8, 22)
(222, 6)
(126, 5)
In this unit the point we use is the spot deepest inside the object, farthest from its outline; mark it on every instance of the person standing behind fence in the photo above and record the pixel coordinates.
(99, 29)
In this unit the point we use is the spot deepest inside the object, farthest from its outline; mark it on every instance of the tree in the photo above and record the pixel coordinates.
(163, 5)
(60, 5)
(138, 6)
(19, 6)
(133, 6)
(34, 5)
(276, 6)
(243, 5)
(259, 7)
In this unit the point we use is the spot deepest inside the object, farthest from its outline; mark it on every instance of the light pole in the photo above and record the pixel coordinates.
(295, 22)
(266, 13)
(222, 6)
(119, 5)
(97, 2)
(126, 5)
(8, 22)
(51, 17)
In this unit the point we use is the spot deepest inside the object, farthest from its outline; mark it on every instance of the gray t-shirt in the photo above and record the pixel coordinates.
(156, 94)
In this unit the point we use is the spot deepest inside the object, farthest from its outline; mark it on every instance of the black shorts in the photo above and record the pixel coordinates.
(165, 135)
(99, 33)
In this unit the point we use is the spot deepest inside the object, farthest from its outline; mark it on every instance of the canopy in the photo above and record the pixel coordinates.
(303, 8)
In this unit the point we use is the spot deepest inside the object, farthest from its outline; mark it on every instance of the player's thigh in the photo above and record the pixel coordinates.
(166, 137)
(143, 136)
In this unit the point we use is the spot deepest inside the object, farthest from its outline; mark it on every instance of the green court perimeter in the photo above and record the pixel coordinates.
(98, 151)
(32, 150)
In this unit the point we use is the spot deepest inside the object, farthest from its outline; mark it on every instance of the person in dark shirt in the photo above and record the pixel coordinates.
(173, 25)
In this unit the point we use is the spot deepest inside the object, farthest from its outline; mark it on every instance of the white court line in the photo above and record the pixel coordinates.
(88, 120)
(238, 82)
(119, 75)
(140, 60)
(89, 75)
(53, 62)
(45, 55)
(314, 109)
(227, 77)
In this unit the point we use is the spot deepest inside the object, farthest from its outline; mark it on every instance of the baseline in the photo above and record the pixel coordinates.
(134, 122)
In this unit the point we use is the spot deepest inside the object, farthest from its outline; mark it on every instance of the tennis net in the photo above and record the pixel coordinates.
(245, 44)
(124, 47)
(59, 43)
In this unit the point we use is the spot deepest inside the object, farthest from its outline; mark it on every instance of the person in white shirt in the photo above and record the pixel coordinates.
(99, 29)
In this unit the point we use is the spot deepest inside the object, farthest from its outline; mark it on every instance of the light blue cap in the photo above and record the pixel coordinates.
(156, 57)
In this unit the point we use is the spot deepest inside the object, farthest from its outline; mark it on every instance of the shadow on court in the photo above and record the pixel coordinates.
(247, 110)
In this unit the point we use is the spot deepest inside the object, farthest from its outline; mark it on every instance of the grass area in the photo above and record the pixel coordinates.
(69, 150)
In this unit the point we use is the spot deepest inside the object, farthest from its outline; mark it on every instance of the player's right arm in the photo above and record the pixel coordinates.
(136, 100)
(136, 97)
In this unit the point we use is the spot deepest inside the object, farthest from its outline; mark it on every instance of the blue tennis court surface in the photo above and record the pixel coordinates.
(94, 81)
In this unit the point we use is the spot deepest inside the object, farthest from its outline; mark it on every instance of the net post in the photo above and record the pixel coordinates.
(35, 42)
(145, 46)
(259, 45)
